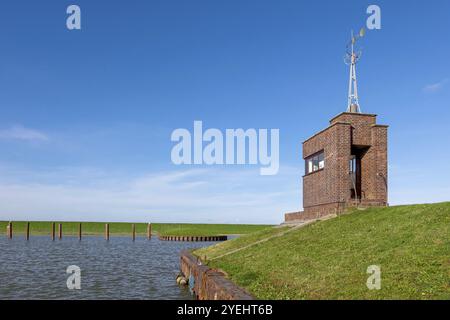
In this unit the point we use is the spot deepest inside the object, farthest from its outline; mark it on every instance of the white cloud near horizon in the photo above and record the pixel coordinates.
(18, 132)
(434, 87)
(212, 195)
(411, 185)
(189, 195)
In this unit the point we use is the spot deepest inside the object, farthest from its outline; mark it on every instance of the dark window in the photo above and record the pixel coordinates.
(315, 163)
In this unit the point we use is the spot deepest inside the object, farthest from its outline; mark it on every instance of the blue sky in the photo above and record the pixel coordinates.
(86, 116)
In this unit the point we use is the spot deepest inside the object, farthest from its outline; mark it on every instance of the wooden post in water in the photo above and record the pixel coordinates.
(53, 231)
(133, 231)
(27, 231)
(107, 231)
(149, 231)
(60, 231)
(9, 230)
(79, 232)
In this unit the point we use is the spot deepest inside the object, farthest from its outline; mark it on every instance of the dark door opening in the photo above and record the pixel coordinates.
(355, 172)
(355, 175)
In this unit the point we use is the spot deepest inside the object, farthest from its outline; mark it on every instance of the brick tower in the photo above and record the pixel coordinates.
(345, 166)
(346, 163)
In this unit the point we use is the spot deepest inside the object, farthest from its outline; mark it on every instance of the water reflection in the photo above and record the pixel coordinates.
(114, 269)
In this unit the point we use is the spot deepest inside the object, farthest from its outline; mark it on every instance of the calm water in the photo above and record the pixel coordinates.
(118, 269)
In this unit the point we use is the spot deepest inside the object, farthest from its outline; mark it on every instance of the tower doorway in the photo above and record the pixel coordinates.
(356, 191)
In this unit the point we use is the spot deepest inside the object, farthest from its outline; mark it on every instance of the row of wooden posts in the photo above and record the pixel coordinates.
(9, 231)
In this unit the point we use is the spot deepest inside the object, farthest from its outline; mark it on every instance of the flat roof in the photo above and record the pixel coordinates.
(354, 114)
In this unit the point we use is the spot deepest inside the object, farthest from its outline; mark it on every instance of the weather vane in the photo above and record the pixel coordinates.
(351, 58)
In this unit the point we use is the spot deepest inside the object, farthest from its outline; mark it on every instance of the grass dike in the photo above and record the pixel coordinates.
(330, 259)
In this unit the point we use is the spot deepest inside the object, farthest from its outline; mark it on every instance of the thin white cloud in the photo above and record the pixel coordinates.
(212, 195)
(434, 87)
(206, 195)
(412, 185)
(21, 133)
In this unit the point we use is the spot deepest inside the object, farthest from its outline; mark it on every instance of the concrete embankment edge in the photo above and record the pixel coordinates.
(207, 283)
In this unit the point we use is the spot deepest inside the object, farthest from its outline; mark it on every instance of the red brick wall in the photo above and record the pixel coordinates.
(360, 123)
(328, 190)
(330, 184)
(380, 166)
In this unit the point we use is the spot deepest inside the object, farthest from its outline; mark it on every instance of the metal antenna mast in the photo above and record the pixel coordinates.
(351, 58)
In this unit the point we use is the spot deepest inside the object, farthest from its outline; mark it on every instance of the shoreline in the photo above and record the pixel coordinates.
(44, 228)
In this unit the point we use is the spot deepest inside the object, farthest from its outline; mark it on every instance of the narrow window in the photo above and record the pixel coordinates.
(315, 163)
(321, 160)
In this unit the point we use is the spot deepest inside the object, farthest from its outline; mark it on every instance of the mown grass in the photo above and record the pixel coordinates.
(207, 229)
(329, 259)
(122, 228)
(221, 248)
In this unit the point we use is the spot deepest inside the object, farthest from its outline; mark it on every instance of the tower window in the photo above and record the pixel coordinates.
(315, 163)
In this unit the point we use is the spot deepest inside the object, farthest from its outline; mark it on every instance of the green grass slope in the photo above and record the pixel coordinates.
(329, 259)
(124, 228)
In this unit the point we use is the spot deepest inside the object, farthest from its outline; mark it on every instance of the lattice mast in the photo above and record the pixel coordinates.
(351, 58)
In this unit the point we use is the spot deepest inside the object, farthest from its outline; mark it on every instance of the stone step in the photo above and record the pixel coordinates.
(300, 222)
(292, 223)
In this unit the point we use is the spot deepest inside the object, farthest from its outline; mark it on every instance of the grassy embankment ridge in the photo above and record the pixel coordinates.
(329, 259)
(119, 228)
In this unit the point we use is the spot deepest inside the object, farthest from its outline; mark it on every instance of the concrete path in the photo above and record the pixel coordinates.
(292, 228)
